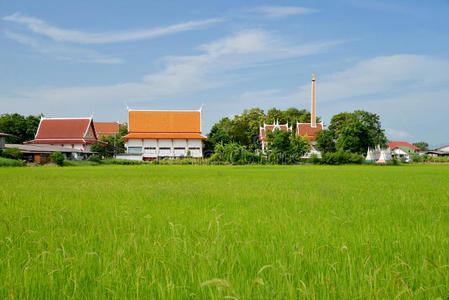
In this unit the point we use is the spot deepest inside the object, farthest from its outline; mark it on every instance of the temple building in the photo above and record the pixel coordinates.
(74, 133)
(156, 134)
(310, 129)
(270, 127)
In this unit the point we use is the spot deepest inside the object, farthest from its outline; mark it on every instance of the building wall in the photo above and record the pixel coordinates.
(153, 148)
(444, 149)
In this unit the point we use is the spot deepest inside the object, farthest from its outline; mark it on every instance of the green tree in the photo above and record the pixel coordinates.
(354, 137)
(339, 121)
(278, 141)
(422, 145)
(220, 133)
(372, 122)
(114, 145)
(22, 128)
(285, 146)
(123, 129)
(325, 141)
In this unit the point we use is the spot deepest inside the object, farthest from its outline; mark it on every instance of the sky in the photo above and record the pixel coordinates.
(83, 58)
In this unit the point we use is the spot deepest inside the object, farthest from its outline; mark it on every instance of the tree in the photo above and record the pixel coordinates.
(422, 145)
(115, 144)
(57, 158)
(371, 121)
(22, 128)
(298, 146)
(123, 129)
(339, 121)
(219, 134)
(354, 137)
(325, 141)
(286, 146)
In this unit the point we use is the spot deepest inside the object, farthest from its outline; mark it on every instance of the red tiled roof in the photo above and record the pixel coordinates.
(393, 145)
(106, 128)
(164, 136)
(150, 121)
(306, 129)
(60, 131)
(262, 134)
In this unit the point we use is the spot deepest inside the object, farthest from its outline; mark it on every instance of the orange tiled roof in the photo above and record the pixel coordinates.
(306, 129)
(106, 128)
(165, 136)
(164, 121)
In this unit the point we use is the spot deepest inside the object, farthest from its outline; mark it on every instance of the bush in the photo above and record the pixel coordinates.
(437, 159)
(415, 158)
(13, 153)
(57, 158)
(113, 161)
(357, 158)
(8, 162)
(94, 158)
(342, 157)
(314, 159)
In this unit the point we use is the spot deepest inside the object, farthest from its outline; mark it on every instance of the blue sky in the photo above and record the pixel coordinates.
(75, 58)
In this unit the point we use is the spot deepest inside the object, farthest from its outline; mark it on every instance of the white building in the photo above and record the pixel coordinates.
(154, 134)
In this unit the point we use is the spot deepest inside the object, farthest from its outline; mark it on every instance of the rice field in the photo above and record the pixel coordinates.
(216, 232)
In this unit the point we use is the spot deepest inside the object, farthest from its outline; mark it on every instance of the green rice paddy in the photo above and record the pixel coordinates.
(215, 232)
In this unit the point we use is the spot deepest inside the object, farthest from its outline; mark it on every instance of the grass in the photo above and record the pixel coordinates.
(210, 232)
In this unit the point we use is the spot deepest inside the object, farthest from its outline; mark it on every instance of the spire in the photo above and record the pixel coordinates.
(312, 111)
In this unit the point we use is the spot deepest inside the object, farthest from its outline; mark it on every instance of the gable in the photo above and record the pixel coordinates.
(90, 134)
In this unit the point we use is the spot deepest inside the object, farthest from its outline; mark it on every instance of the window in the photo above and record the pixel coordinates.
(135, 150)
(180, 148)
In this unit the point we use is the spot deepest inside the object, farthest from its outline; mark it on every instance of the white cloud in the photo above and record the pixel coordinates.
(187, 74)
(76, 36)
(397, 134)
(275, 12)
(63, 52)
(386, 74)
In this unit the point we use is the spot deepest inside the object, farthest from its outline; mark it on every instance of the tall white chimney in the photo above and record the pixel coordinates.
(313, 111)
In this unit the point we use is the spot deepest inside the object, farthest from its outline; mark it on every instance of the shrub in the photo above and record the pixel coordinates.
(415, 158)
(342, 157)
(13, 153)
(357, 158)
(94, 158)
(57, 158)
(113, 161)
(8, 162)
(314, 159)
